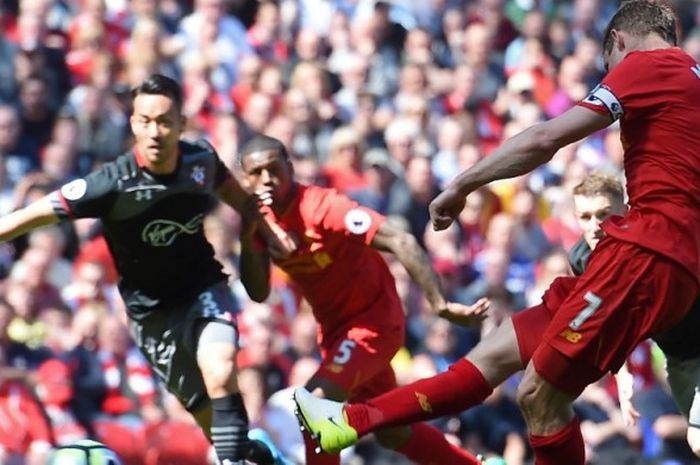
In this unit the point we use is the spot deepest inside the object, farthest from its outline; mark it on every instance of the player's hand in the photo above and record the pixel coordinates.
(280, 244)
(630, 415)
(264, 198)
(445, 208)
(466, 315)
(625, 391)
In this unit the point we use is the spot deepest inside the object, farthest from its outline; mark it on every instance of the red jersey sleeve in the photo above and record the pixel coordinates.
(625, 90)
(339, 214)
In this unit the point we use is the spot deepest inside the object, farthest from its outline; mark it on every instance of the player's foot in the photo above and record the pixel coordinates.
(263, 450)
(325, 421)
(260, 454)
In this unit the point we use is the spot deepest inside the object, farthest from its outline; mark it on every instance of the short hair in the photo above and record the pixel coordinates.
(157, 84)
(261, 143)
(596, 184)
(345, 135)
(642, 17)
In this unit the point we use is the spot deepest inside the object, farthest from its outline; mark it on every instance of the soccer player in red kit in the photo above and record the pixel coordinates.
(339, 270)
(642, 277)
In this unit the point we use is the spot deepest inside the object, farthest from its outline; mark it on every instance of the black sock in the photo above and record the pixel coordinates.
(229, 428)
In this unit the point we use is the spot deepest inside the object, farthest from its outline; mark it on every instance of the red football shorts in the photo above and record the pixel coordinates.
(531, 323)
(358, 357)
(626, 295)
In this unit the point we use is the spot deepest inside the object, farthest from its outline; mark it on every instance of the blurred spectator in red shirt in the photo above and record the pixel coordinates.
(131, 394)
(264, 34)
(259, 351)
(55, 390)
(25, 434)
(343, 171)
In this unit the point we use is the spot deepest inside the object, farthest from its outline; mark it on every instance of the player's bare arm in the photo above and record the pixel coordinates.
(232, 194)
(625, 390)
(516, 156)
(37, 214)
(255, 260)
(407, 250)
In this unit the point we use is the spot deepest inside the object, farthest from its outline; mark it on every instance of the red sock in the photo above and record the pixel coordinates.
(565, 446)
(457, 389)
(428, 446)
(312, 458)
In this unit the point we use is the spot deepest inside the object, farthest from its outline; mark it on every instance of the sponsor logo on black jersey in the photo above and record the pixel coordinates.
(142, 192)
(162, 233)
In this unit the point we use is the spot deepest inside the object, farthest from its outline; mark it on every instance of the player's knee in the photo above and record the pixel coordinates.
(220, 373)
(528, 397)
(219, 377)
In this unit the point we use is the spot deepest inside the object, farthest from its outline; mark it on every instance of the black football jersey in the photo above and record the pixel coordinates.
(153, 224)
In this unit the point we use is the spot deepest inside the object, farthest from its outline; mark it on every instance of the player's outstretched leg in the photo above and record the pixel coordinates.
(325, 420)
(336, 426)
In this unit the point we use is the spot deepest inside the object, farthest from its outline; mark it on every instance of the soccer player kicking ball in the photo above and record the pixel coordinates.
(642, 277)
(152, 201)
(508, 349)
(339, 270)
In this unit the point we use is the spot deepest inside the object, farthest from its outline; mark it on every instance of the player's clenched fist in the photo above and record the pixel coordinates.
(279, 243)
(445, 208)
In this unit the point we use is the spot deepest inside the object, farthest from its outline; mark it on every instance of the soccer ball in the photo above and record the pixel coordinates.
(84, 452)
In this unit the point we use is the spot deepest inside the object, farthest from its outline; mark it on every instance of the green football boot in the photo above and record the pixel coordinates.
(325, 420)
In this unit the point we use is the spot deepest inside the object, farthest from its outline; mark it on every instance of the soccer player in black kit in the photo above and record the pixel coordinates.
(152, 201)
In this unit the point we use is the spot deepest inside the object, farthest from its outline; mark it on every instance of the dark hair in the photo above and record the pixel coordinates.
(601, 184)
(157, 84)
(642, 17)
(261, 143)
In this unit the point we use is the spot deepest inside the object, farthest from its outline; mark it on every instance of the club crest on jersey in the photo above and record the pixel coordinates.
(198, 175)
(358, 221)
(162, 233)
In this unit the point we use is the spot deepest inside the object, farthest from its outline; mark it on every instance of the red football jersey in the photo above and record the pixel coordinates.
(655, 95)
(340, 275)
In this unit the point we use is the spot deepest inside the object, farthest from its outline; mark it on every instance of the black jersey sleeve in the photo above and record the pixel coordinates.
(88, 197)
(578, 257)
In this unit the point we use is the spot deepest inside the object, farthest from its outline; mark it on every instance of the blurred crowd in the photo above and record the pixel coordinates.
(384, 100)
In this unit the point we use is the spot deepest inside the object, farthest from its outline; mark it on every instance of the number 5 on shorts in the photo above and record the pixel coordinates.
(593, 303)
(344, 352)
